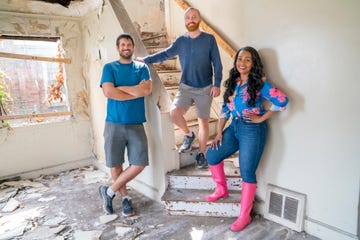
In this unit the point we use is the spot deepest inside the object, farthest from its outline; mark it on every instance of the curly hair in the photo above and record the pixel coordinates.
(255, 82)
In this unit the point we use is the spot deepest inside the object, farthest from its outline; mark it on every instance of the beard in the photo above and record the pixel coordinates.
(126, 56)
(192, 26)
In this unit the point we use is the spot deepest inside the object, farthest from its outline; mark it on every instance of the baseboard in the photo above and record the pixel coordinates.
(316, 228)
(325, 231)
(52, 169)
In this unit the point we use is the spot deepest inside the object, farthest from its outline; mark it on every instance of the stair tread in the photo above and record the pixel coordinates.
(168, 71)
(161, 47)
(197, 195)
(171, 86)
(231, 171)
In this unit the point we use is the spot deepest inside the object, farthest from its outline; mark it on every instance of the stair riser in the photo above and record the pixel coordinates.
(203, 208)
(168, 65)
(187, 158)
(203, 182)
(170, 78)
(154, 39)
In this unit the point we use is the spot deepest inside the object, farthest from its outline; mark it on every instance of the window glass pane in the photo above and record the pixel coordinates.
(28, 81)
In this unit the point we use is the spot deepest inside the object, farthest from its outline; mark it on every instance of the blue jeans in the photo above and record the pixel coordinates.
(249, 139)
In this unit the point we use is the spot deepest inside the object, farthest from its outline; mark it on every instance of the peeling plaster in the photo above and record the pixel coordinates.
(82, 105)
(75, 9)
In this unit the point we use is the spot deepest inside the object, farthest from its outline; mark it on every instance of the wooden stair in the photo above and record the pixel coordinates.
(187, 188)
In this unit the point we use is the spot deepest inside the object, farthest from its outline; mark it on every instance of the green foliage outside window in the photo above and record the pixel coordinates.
(5, 98)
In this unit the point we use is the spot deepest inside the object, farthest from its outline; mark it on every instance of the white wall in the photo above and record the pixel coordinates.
(52, 146)
(147, 15)
(311, 50)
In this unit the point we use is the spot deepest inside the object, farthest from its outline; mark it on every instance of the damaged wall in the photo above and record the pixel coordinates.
(147, 15)
(311, 55)
(50, 145)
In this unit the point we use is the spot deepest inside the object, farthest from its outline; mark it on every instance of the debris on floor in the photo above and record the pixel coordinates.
(67, 206)
(30, 208)
(107, 218)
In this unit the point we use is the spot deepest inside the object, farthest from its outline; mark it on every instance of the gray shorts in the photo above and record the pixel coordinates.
(120, 136)
(187, 96)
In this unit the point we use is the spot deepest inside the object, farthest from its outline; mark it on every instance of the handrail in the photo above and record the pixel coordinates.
(222, 43)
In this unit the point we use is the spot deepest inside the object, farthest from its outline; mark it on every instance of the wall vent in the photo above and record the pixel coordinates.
(285, 207)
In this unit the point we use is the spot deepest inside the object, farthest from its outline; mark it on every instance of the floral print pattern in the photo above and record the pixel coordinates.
(238, 104)
(276, 93)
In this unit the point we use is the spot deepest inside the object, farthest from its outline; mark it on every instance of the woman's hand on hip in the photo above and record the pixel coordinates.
(217, 141)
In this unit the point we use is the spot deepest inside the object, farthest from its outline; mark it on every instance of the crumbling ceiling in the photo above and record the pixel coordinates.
(69, 8)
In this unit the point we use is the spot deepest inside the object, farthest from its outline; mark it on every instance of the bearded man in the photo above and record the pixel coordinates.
(124, 83)
(200, 61)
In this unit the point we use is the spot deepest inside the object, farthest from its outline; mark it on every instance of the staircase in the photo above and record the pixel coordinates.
(187, 187)
(170, 73)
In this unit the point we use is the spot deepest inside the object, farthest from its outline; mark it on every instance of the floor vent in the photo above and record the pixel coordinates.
(285, 207)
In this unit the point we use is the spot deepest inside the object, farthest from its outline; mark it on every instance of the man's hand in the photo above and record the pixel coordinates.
(139, 59)
(141, 90)
(215, 91)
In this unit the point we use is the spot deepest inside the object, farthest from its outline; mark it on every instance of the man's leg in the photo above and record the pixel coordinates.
(180, 105)
(203, 102)
(115, 143)
(177, 117)
(201, 161)
(117, 137)
(115, 173)
(126, 176)
(137, 148)
(203, 134)
(108, 193)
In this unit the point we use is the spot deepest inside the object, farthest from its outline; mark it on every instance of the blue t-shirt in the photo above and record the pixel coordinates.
(127, 111)
(198, 57)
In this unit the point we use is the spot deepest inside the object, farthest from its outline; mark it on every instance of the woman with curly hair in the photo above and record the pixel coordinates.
(246, 89)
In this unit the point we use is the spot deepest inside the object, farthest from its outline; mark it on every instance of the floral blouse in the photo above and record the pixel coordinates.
(238, 104)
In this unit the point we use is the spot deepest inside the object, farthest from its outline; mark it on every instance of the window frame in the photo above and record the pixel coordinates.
(63, 60)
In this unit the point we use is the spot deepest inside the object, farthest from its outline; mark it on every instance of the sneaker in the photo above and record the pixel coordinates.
(201, 162)
(107, 199)
(128, 210)
(186, 146)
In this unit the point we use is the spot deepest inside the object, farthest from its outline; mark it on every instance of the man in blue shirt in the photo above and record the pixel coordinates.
(125, 83)
(199, 58)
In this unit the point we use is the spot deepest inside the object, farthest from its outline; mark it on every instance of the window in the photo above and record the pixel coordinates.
(32, 72)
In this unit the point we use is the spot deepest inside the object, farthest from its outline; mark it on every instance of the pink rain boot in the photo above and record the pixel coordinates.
(247, 198)
(218, 174)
